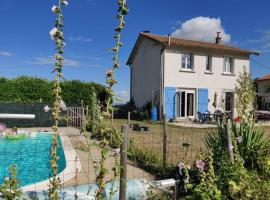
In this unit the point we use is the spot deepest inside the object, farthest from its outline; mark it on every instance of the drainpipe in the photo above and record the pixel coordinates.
(169, 39)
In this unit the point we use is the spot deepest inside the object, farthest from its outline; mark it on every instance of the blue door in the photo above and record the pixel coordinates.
(169, 102)
(202, 100)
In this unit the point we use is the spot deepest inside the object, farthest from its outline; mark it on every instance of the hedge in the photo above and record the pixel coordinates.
(38, 90)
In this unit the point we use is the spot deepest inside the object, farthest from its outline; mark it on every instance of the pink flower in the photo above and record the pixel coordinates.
(230, 147)
(181, 166)
(239, 139)
(200, 164)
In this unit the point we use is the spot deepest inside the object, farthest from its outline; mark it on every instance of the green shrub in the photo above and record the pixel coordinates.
(238, 180)
(252, 145)
(37, 90)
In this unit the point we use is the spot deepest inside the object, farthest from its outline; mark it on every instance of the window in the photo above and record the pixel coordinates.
(208, 66)
(187, 61)
(228, 65)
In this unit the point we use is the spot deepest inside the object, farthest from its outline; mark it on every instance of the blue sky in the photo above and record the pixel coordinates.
(26, 47)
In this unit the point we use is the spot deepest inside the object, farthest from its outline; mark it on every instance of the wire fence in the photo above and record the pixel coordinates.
(154, 150)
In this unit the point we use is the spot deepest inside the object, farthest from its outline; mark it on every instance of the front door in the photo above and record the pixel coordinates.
(185, 103)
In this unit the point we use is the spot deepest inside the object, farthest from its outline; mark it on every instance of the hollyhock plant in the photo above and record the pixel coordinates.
(47, 108)
(53, 33)
(64, 3)
(237, 119)
(200, 164)
(55, 9)
(230, 147)
(239, 139)
(181, 166)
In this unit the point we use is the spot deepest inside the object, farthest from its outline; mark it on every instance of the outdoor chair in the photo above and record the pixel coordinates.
(200, 117)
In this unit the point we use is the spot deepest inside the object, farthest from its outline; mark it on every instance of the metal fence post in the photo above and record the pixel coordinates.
(164, 143)
(229, 138)
(123, 162)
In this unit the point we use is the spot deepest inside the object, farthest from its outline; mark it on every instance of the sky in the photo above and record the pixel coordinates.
(27, 49)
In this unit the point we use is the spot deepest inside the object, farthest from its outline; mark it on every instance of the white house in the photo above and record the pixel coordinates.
(264, 92)
(185, 75)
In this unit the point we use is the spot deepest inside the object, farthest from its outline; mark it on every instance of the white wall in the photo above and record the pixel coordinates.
(146, 68)
(215, 82)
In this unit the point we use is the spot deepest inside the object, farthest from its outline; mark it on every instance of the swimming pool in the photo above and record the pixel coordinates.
(31, 156)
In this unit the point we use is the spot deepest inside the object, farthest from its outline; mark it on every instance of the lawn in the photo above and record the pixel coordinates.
(178, 139)
(183, 143)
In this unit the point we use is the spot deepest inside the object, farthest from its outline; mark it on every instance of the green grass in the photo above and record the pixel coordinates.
(177, 136)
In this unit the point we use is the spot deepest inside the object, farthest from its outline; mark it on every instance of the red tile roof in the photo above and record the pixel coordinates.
(266, 77)
(203, 46)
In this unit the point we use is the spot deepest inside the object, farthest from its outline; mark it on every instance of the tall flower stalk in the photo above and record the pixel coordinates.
(57, 36)
(107, 114)
(110, 75)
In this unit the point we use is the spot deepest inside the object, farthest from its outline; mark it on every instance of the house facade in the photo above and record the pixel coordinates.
(185, 76)
(264, 92)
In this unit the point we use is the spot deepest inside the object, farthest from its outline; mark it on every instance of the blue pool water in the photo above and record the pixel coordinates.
(31, 156)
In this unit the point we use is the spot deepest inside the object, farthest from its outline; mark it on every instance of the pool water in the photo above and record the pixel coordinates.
(31, 156)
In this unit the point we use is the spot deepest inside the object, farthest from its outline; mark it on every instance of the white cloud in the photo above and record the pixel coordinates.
(121, 97)
(51, 60)
(80, 39)
(202, 29)
(5, 53)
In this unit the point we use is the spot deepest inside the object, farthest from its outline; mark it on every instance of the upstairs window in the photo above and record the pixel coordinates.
(187, 61)
(228, 65)
(208, 66)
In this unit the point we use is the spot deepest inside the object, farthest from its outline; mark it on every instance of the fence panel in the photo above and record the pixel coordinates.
(75, 116)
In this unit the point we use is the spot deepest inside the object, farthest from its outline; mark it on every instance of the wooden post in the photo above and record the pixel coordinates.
(128, 118)
(112, 117)
(229, 138)
(164, 143)
(123, 162)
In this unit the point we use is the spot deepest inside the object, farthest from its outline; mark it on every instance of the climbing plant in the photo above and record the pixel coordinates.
(57, 36)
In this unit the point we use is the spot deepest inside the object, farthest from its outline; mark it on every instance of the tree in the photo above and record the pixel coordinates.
(246, 97)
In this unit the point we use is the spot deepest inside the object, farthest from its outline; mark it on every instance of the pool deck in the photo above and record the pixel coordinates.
(81, 168)
(73, 165)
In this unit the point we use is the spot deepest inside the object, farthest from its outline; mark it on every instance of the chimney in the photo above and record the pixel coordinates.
(218, 38)
(169, 39)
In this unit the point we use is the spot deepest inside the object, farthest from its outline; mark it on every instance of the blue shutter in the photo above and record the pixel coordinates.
(202, 100)
(169, 103)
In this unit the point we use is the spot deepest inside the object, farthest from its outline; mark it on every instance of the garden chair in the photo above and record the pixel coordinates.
(200, 117)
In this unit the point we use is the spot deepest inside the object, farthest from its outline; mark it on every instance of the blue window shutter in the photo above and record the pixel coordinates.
(169, 103)
(202, 100)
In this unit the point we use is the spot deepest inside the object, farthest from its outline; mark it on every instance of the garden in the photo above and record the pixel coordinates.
(230, 161)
